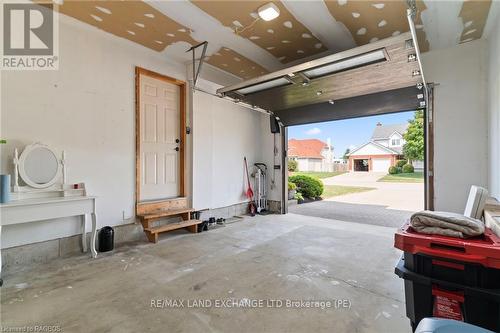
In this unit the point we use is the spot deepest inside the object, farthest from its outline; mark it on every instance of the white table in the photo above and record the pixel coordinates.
(33, 210)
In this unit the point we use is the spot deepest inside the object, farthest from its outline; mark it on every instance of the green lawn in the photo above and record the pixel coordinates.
(319, 175)
(415, 177)
(336, 190)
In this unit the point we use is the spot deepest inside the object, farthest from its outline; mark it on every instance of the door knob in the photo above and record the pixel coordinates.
(176, 148)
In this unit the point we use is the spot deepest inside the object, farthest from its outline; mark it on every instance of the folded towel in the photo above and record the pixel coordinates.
(446, 224)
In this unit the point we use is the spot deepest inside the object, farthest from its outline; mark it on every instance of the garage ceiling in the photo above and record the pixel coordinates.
(245, 46)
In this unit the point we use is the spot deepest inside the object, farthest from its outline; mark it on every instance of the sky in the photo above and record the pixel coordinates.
(349, 133)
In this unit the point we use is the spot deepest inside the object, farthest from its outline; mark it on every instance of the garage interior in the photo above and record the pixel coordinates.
(151, 114)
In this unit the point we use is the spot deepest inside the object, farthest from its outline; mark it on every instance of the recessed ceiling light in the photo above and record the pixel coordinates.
(269, 11)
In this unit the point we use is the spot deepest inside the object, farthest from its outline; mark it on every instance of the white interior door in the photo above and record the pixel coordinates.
(381, 164)
(159, 139)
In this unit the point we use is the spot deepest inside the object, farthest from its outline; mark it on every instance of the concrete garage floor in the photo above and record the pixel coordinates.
(265, 257)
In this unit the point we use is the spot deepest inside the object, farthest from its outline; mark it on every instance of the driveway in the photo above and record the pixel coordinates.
(397, 196)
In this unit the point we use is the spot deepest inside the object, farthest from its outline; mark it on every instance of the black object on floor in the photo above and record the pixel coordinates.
(425, 297)
(106, 239)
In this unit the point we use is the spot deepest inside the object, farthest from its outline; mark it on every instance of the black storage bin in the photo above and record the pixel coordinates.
(477, 306)
(106, 239)
(462, 272)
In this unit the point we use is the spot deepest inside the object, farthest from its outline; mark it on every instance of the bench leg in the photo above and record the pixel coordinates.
(152, 237)
(192, 228)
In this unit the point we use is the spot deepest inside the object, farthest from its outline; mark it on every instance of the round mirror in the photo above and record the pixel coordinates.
(39, 166)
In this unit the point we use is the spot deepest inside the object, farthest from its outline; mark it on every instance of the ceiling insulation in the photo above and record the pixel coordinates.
(284, 37)
(134, 20)
(234, 63)
(371, 74)
(474, 14)
(369, 21)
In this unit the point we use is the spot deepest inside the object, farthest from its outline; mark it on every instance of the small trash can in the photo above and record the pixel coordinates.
(106, 239)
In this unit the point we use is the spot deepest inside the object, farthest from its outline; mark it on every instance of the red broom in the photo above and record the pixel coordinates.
(249, 192)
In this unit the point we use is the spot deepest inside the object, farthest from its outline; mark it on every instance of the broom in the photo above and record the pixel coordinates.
(249, 192)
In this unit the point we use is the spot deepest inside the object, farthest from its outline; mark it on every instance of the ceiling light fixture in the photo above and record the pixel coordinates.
(269, 11)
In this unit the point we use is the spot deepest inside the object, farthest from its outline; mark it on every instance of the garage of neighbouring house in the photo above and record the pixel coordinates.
(115, 124)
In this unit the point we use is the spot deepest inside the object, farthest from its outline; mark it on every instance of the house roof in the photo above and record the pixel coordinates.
(385, 131)
(378, 145)
(309, 148)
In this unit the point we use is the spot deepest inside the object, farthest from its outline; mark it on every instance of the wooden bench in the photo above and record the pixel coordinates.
(153, 211)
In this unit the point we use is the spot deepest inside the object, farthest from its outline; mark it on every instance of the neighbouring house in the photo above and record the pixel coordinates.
(382, 151)
(311, 154)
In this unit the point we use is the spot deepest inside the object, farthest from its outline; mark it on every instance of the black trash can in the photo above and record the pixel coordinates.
(106, 239)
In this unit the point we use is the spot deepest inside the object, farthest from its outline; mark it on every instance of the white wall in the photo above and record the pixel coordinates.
(494, 110)
(87, 108)
(460, 119)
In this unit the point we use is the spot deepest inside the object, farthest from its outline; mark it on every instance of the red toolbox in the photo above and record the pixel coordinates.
(450, 277)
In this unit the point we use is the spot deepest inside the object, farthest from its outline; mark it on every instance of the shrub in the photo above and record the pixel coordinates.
(291, 186)
(408, 168)
(292, 165)
(298, 196)
(310, 187)
(400, 163)
(393, 170)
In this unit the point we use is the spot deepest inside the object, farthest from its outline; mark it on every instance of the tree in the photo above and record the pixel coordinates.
(345, 157)
(414, 137)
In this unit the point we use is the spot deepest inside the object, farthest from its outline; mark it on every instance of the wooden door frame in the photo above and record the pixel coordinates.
(182, 110)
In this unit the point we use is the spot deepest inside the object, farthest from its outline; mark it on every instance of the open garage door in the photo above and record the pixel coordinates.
(377, 78)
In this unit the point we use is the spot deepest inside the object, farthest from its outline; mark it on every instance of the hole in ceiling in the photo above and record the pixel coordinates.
(271, 31)
(288, 24)
(254, 37)
(356, 15)
(397, 32)
(382, 23)
(149, 15)
(306, 35)
(285, 41)
(378, 5)
(95, 17)
(131, 32)
(361, 31)
(470, 32)
(139, 24)
(318, 45)
(374, 39)
(341, 2)
(104, 10)
(170, 35)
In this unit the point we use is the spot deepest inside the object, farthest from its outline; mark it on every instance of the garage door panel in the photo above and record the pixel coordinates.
(381, 164)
